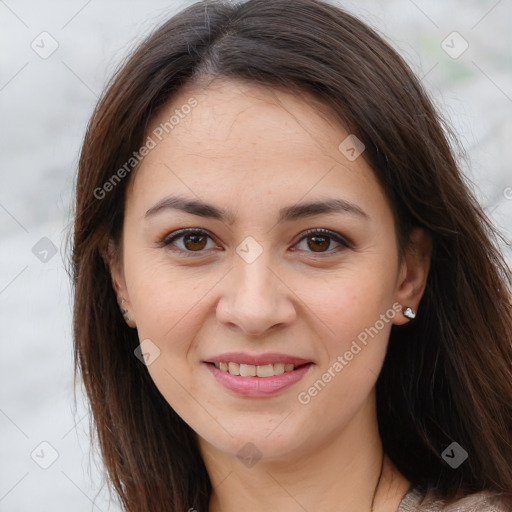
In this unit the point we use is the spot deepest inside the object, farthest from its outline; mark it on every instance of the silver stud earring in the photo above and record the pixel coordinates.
(409, 313)
(124, 311)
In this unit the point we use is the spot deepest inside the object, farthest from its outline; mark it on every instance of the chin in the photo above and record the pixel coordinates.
(252, 440)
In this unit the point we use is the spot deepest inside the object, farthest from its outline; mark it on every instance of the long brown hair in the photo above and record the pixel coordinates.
(447, 376)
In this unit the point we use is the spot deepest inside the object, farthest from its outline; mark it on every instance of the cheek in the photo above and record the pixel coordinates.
(167, 309)
(355, 315)
(352, 299)
(160, 295)
(356, 322)
(165, 302)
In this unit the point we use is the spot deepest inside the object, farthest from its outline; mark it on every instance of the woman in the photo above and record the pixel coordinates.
(308, 310)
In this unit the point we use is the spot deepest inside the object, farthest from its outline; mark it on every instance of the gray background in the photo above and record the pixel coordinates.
(45, 104)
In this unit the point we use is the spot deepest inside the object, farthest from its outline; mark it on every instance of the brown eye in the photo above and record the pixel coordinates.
(318, 243)
(194, 242)
(320, 240)
(188, 241)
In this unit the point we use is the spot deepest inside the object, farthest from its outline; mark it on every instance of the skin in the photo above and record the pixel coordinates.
(252, 150)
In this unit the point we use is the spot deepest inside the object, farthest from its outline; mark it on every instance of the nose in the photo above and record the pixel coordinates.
(256, 298)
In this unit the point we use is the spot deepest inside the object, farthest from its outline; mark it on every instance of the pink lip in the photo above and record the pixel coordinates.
(258, 386)
(256, 360)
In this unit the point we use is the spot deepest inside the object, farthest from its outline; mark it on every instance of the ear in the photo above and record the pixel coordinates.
(114, 264)
(413, 273)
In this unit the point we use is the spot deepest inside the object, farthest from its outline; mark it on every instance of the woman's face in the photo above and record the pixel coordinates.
(252, 282)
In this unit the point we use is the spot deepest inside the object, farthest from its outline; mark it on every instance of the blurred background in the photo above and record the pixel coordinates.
(55, 59)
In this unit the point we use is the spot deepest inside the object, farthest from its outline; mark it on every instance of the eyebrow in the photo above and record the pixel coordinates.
(286, 214)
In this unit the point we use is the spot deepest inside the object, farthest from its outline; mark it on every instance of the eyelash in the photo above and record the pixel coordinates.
(167, 241)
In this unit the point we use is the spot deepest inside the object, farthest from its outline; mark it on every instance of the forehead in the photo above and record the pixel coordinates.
(235, 114)
(243, 140)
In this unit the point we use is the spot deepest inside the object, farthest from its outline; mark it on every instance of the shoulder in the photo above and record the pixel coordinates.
(479, 502)
(485, 501)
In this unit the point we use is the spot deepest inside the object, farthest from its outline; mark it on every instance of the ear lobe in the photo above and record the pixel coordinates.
(107, 251)
(110, 257)
(112, 261)
(414, 271)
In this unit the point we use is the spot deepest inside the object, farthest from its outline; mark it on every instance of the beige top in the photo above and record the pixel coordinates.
(414, 501)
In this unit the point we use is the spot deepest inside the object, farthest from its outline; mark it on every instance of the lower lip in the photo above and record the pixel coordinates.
(258, 386)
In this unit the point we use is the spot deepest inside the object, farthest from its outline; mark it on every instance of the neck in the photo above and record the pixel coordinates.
(340, 475)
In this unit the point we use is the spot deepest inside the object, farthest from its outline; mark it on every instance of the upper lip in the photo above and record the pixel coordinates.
(257, 360)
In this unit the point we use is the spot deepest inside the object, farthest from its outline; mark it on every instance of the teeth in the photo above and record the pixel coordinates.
(279, 368)
(234, 368)
(250, 370)
(266, 370)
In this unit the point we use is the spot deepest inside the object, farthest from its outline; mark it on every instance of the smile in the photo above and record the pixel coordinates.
(250, 370)
(255, 381)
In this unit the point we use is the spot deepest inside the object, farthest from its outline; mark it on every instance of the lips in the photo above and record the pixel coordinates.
(257, 360)
(257, 379)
